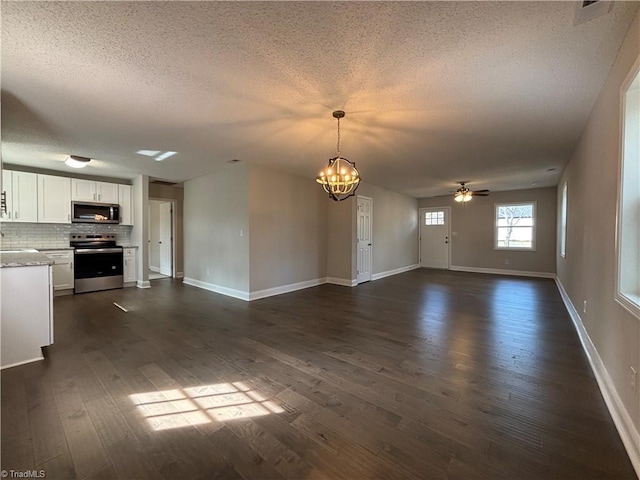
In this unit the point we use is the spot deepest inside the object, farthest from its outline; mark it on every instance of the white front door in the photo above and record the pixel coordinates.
(435, 237)
(165, 238)
(365, 216)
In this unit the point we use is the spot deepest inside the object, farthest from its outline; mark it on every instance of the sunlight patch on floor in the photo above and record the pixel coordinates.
(183, 407)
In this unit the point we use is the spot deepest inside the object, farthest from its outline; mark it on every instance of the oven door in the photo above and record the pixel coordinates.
(97, 269)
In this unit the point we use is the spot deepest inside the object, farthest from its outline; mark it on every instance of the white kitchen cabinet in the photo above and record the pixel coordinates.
(27, 313)
(126, 206)
(7, 216)
(22, 196)
(107, 192)
(62, 269)
(91, 191)
(129, 256)
(54, 199)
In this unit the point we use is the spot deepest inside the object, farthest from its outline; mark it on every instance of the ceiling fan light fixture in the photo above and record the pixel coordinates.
(74, 161)
(340, 179)
(462, 196)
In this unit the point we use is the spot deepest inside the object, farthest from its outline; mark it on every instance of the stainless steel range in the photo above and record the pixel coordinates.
(97, 262)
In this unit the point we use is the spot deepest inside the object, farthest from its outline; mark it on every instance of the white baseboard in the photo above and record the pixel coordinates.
(269, 292)
(621, 418)
(345, 282)
(24, 362)
(143, 284)
(395, 271)
(212, 287)
(154, 269)
(179, 275)
(499, 271)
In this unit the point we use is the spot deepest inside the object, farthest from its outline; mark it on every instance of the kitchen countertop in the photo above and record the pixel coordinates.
(51, 249)
(24, 257)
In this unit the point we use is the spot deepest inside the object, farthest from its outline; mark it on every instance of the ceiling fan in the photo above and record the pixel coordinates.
(463, 194)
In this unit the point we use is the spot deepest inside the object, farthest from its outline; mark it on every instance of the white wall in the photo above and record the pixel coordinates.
(395, 229)
(216, 229)
(589, 270)
(473, 225)
(288, 219)
(394, 235)
(140, 231)
(341, 235)
(154, 235)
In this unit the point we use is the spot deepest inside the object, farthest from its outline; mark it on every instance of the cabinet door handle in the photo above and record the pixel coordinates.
(15, 216)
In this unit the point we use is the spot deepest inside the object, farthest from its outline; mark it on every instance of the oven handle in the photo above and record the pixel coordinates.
(84, 251)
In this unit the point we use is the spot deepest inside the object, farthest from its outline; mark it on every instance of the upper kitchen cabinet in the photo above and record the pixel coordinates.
(90, 191)
(7, 216)
(54, 199)
(126, 207)
(22, 196)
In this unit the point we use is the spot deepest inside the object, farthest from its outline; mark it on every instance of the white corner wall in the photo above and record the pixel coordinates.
(288, 242)
(395, 231)
(216, 231)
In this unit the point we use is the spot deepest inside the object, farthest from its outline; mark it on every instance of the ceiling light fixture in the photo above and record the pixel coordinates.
(463, 194)
(341, 178)
(75, 161)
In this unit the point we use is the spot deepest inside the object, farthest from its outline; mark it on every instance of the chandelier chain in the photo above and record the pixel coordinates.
(338, 146)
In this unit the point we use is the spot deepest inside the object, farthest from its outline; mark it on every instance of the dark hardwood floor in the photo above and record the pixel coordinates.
(423, 375)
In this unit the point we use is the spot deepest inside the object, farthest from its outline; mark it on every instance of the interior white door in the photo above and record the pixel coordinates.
(165, 239)
(435, 237)
(365, 217)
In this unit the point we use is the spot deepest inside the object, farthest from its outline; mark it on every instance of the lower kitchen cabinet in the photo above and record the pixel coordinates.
(62, 270)
(129, 256)
(27, 313)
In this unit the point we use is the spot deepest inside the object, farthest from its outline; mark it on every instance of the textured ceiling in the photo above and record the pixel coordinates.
(494, 93)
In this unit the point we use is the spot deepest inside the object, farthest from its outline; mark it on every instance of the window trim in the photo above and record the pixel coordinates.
(629, 301)
(564, 210)
(534, 204)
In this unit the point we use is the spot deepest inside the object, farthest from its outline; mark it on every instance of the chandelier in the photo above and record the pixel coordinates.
(341, 178)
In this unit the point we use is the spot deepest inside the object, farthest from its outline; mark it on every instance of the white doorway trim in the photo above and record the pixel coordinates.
(364, 239)
(421, 228)
(174, 204)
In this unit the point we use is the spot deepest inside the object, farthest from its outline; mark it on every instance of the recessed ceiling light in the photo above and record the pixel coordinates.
(75, 161)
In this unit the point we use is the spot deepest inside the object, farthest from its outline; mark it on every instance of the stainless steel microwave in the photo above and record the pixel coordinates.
(88, 212)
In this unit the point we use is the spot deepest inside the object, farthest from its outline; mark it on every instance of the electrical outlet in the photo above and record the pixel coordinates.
(207, 272)
(584, 307)
(633, 379)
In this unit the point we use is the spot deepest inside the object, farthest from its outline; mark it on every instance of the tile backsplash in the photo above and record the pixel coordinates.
(54, 235)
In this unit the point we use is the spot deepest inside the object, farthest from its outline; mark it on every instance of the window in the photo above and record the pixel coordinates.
(563, 221)
(628, 281)
(434, 218)
(515, 227)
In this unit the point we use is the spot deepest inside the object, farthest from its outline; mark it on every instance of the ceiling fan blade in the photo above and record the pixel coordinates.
(476, 194)
(481, 191)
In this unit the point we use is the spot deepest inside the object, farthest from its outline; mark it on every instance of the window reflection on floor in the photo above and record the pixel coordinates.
(182, 407)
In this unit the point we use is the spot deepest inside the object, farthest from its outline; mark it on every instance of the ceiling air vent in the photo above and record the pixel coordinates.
(587, 10)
